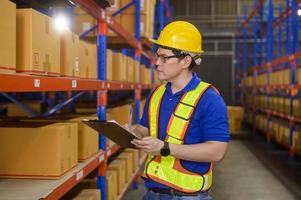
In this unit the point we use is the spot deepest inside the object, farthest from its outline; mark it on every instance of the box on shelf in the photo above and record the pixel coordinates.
(109, 64)
(130, 69)
(82, 22)
(88, 194)
(111, 178)
(136, 72)
(114, 114)
(87, 138)
(88, 60)
(38, 44)
(235, 116)
(37, 150)
(36, 106)
(127, 157)
(8, 37)
(119, 67)
(135, 158)
(70, 62)
(119, 167)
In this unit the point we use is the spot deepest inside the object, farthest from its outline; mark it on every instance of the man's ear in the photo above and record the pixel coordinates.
(187, 61)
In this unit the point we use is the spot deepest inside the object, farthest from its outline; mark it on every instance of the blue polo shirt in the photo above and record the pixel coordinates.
(209, 122)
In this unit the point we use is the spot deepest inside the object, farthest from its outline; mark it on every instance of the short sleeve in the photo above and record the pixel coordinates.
(214, 123)
(144, 118)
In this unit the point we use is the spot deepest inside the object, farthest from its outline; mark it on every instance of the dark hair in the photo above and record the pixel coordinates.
(181, 55)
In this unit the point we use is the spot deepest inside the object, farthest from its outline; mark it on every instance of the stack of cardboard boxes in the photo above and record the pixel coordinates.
(8, 37)
(235, 116)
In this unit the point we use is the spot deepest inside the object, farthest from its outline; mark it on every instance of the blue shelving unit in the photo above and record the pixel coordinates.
(275, 49)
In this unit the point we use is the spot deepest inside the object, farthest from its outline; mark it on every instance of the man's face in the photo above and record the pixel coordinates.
(168, 65)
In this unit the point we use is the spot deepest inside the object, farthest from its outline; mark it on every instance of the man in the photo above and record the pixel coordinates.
(184, 125)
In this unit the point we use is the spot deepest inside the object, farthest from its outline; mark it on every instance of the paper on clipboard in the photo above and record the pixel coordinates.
(114, 131)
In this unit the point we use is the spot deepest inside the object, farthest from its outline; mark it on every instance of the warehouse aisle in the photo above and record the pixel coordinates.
(239, 176)
(242, 176)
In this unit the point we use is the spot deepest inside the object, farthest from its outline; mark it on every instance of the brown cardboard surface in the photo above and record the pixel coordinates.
(118, 166)
(82, 22)
(14, 110)
(135, 158)
(129, 164)
(115, 114)
(109, 65)
(88, 194)
(119, 67)
(70, 62)
(87, 139)
(8, 37)
(88, 60)
(38, 44)
(111, 178)
(37, 150)
(130, 69)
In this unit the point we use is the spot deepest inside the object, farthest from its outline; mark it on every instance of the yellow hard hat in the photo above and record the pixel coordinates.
(181, 35)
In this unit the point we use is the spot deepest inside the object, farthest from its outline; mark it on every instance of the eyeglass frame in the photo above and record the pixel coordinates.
(164, 59)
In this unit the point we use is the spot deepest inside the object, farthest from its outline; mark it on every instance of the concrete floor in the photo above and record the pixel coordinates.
(239, 176)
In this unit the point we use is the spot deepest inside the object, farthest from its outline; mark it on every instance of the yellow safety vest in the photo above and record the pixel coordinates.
(168, 170)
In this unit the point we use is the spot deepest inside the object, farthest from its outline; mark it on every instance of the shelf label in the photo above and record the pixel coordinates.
(101, 158)
(79, 175)
(36, 83)
(74, 84)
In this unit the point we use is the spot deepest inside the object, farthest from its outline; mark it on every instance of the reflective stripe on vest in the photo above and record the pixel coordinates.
(168, 170)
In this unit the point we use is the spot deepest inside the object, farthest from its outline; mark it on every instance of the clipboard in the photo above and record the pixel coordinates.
(113, 131)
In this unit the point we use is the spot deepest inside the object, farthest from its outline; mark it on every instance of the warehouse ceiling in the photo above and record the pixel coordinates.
(215, 15)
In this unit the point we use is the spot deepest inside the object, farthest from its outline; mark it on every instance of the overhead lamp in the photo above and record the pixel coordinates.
(299, 12)
(61, 22)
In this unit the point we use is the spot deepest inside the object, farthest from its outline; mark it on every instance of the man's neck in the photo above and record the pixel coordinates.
(181, 81)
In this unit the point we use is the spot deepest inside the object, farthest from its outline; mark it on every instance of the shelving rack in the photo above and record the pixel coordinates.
(275, 51)
(12, 83)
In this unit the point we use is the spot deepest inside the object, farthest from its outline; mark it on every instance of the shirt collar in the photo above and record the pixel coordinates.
(193, 83)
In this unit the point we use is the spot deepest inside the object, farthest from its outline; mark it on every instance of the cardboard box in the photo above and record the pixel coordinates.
(136, 72)
(135, 158)
(127, 157)
(70, 62)
(8, 37)
(38, 44)
(235, 112)
(88, 194)
(88, 60)
(144, 5)
(36, 106)
(82, 22)
(235, 125)
(297, 141)
(119, 166)
(87, 139)
(128, 23)
(130, 69)
(109, 64)
(119, 67)
(111, 178)
(115, 114)
(37, 150)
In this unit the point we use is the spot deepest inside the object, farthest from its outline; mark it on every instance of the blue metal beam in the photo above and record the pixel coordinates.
(20, 105)
(61, 105)
(123, 8)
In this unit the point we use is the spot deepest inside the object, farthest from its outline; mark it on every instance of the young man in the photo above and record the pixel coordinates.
(184, 125)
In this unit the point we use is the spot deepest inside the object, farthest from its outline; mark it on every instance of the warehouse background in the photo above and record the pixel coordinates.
(51, 81)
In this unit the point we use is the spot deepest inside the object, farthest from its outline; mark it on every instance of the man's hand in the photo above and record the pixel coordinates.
(149, 144)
